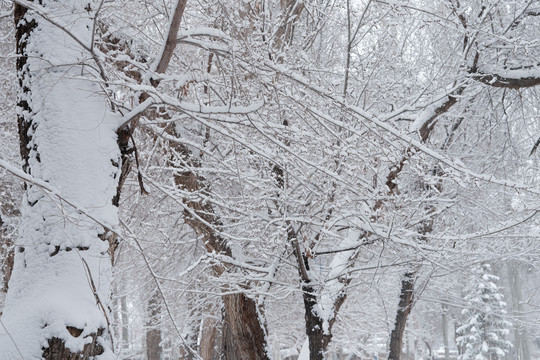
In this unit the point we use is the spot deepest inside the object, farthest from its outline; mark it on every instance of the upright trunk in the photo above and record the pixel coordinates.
(243, 337)
(314, 323)
(425, 226)
(191, 329)
(153, 328)
(520, 331)
(312, 314)
(7, 251)
(57, 303)
(445, 331)
(6, 262)
(404, 309)
(211, 336)
(125, 322)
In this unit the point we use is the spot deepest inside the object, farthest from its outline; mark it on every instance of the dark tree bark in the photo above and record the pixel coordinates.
(57, 349)
(501, 81)
(7, 256)
(406, 298)
(314, 323)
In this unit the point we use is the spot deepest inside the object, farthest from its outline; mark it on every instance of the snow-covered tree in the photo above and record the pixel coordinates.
(296, 168)
(57, 303)
(483, 334)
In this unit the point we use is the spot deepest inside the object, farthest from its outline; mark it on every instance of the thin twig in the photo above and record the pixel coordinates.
(12, 340)
(98, 300)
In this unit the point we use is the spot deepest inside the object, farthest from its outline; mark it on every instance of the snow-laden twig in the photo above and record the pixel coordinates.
(203, 31)
(162, 294)
(92, 285)
(136, 111)
(362, 114)
(12, 340)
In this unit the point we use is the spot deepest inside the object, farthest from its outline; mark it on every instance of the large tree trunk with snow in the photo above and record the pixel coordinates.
(314, 323)
(7, 254)
(57, 306)
(404, 309)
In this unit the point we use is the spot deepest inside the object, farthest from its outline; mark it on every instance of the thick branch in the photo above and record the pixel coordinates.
(170, 44)
(292, 9)
(406, 298)
(496, 80)
(125, 133)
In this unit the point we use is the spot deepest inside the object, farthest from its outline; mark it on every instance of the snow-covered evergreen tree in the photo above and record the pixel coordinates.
(483, 335)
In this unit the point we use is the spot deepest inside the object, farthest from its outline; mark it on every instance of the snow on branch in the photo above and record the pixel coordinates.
(512, 79)
(203, 31)
(370, 118)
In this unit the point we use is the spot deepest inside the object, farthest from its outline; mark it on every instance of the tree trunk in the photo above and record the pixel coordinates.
(520, 331)
(404, 309)
(445, 331)
(7, 248)
(125, 322)
(56, 306)
(153, 328)
(7, 256)
(211, 337)
(191, 329)
(243, 336)
(314, 323)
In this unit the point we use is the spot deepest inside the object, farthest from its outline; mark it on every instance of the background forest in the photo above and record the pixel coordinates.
(352, 179)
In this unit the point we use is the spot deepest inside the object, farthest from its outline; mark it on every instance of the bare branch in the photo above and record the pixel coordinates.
(167, 50)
